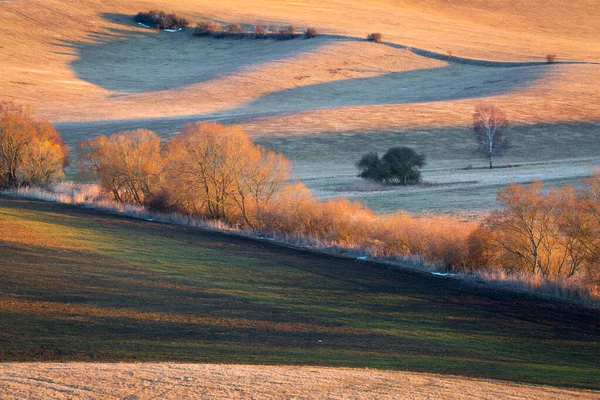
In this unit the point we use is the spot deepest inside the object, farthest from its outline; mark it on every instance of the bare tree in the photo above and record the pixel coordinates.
(490, 125)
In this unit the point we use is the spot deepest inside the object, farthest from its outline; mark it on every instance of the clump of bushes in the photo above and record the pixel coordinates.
(238, 31)
(375, 37)
(260, 31)
(161, 20)
(551, 58)
(207, 29)
(311, 33)
(286, 33)
(398, 166)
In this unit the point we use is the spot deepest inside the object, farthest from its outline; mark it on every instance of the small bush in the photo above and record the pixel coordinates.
(161, 20)
(311, 33)
(235, 28)
(375, 37)
(286, 33)
(398, 166)
(551, 58)
(207, 29)
(260, 31)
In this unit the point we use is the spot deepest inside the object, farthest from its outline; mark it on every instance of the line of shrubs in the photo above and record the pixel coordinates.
(237, 31)
(161, 20)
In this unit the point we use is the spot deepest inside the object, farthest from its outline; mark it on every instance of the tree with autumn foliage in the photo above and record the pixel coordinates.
(216, 171)
(128, 164)
(490, 126)
(552, 233)
(31, 152)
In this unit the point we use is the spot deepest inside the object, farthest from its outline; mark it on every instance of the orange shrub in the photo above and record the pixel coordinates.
(311, 33)
(375, 37)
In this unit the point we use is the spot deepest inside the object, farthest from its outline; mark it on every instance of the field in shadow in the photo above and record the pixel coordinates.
(107, 288)
(453, 82)
(149, 60)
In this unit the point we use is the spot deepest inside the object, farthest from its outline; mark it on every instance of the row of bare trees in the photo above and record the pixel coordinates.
(31, 152)
(553, 233)
(210, 170)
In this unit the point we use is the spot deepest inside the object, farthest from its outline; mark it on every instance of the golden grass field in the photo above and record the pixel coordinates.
(214, 381)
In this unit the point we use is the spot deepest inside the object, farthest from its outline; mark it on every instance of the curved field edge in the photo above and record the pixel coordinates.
(80, 285)
(183, 381)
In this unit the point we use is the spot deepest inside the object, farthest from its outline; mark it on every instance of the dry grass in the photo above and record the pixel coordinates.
(50, 60)
(191, 381)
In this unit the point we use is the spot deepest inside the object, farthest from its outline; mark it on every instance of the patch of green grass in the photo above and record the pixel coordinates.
(105, 288)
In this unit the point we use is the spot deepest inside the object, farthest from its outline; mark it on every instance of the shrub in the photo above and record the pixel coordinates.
(161, 20)
(375, 37)
(234, 28)
(286, 33)
(207, 29)
(398, 166)
(260, 31)
(311, 33)
(551, 58)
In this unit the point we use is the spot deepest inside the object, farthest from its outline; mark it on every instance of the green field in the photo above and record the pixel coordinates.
(81, 285)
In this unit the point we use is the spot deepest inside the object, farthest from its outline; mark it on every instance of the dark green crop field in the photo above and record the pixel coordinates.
(80, 285)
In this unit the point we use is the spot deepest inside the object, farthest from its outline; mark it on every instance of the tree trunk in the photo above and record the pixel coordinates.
(490, 158)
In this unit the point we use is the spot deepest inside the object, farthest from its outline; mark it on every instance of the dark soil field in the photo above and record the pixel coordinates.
(81, 285)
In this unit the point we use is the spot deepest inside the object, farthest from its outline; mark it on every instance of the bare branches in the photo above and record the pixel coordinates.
(490, 126)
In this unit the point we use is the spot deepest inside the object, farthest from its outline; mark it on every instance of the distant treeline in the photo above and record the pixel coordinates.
(238, 31)
(161, 20)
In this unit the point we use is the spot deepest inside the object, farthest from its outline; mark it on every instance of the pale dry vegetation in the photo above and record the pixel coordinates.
(190, 381)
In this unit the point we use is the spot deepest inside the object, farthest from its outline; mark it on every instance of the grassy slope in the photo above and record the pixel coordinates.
(79, 285)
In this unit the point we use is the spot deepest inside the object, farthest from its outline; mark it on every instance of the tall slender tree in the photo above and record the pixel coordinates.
(490, 125)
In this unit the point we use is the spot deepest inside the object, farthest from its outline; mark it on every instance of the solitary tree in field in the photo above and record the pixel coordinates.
(398, 166)
(490, 125)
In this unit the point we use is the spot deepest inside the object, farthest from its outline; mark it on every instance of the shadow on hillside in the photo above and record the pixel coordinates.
(136, 60)
(451, 82)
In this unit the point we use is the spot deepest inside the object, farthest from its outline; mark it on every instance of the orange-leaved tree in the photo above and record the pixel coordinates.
(31, 152)
(128, 164)
(217, 172)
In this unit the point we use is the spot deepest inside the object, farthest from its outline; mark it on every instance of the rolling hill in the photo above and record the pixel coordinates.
(82, 285)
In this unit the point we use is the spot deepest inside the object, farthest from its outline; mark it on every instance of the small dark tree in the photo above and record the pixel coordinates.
(490, 125)
(398, 166)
